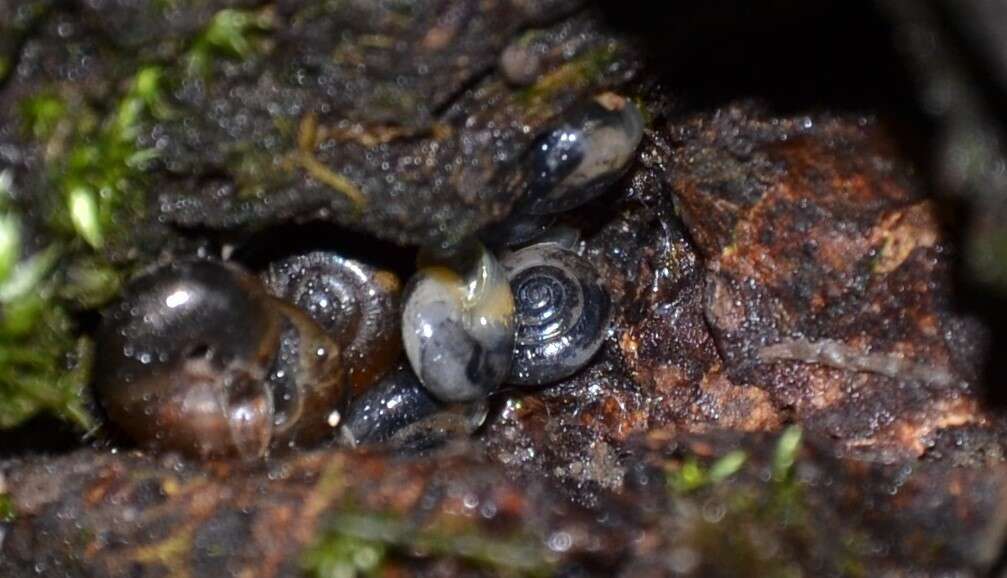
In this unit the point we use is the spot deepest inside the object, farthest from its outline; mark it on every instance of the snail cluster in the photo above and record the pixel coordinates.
(203, 357)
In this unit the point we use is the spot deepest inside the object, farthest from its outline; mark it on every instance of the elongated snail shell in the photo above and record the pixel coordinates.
(458, 324)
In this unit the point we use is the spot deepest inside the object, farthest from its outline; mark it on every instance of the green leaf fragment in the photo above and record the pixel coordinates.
(786, 452)
(84, 214)
(10, 244)
(727, 466)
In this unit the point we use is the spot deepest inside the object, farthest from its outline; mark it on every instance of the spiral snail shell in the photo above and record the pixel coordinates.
(458, 323)
(198, 358)
(562, 313)
(357, 305)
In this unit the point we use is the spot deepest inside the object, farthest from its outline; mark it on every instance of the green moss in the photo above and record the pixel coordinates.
(759, 526)
(232, 33)
(339, 555)
(7, 512)
(691, 476)
(41, 114)
(94, 200)
(785, 453)
(360, 544)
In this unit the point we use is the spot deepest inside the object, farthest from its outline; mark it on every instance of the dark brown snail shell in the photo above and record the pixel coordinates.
(357, 305)
(198, 358)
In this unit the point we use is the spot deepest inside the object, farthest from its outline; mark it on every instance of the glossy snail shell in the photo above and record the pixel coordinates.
(357, 305)
(185, 362)
(562, 314)
(399, 411)
(582, 155)
(458, 323)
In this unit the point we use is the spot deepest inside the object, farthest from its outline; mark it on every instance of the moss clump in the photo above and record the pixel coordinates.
(87, 213)
(361, 544)
(757, 523)
(94, 199)
(42, 365)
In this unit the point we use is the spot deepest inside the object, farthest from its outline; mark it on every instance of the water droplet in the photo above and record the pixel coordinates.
(334, 418)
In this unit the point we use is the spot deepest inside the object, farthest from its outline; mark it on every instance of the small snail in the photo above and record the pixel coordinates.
(568, 165)
(580, 157)
(458, 323)
(198, 358)
(562, 313)
(356, 304)
(400, 411)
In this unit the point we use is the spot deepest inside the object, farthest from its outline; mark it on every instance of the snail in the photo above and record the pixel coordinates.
(577, 159)
(198, 358)
(569, 164)
(562, 313)
(458, 323)
(399, 411)
(355, 303)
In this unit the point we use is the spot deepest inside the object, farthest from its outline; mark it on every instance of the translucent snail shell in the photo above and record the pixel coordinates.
(458, 323)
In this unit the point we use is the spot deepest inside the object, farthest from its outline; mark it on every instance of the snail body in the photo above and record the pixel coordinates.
(458, 324)
(198, 358)
(562, 313)
(356, 304)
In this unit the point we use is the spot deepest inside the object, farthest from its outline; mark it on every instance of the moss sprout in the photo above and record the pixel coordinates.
(691, 475)
(232, 33)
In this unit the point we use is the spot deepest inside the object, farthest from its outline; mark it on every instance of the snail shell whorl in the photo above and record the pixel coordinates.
(458, 324)
(358, 305)
(562, 313)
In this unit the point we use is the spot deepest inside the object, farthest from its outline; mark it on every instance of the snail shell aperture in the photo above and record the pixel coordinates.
(184, 361)
(562, 313)
(356, 304)
(458, 323)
